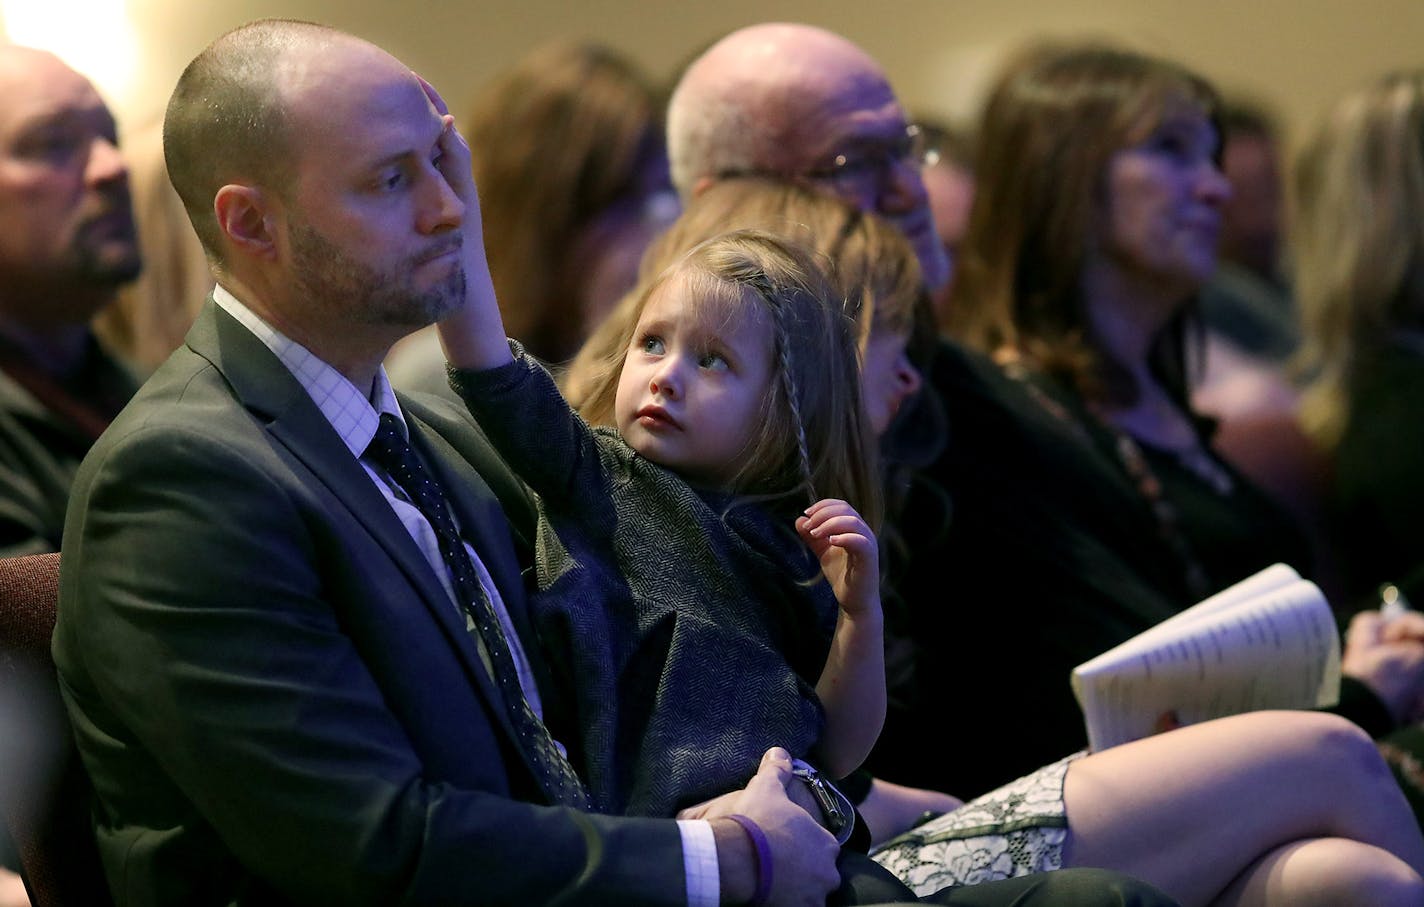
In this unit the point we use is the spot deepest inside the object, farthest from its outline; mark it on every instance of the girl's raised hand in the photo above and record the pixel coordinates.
(473, 334)
(455, 166)
(849, 557)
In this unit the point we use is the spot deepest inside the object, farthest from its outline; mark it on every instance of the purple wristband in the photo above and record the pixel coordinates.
(763, 859)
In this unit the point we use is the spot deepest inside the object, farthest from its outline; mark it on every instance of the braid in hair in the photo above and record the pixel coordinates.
(823, 450)
(782, 341)
(793, 400)
(779, 308)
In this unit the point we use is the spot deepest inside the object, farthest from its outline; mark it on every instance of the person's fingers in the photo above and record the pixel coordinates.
(438, 102)
(1364, 628)
(827, 504)
(775, 768)
(852, 543)
(776, 756)
(453, 142)
(839, 523)
(717, 806)
(835, 519)
(1407, 626)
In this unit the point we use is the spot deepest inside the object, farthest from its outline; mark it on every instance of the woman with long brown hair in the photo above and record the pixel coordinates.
(1088, 501)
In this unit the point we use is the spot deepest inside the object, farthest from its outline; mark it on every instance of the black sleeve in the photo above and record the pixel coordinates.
(1359, 704)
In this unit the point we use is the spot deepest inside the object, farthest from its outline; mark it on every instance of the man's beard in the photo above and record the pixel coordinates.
(326, 275)
(107, 260)
(106, 270)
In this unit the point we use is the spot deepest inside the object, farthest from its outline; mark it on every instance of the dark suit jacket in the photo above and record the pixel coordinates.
(271, 691)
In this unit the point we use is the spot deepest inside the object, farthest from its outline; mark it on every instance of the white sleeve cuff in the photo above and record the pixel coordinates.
(699, 862)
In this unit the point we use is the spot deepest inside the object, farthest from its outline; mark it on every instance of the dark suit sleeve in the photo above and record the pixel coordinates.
(218, 643)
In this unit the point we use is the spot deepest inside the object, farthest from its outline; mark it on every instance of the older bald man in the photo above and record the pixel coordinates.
(804, 103)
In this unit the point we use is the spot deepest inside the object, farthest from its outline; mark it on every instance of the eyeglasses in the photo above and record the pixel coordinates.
(869, 166)
(861, 172)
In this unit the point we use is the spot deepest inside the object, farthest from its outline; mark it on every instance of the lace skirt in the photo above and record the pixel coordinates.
(1009, 832)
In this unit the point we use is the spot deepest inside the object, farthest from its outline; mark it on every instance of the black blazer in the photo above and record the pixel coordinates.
(270, 689)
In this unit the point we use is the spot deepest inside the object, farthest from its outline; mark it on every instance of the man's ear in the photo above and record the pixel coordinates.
(246, 217)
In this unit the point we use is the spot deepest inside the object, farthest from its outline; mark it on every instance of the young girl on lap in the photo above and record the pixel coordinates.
(706, 578)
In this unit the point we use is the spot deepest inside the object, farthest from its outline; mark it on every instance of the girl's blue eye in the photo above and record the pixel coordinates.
(651, 344)
(714, 361)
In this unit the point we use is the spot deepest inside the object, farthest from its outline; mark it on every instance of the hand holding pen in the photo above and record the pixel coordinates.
(1384, 649)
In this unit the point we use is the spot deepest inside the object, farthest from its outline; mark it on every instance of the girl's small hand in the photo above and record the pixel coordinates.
(472, 335)
(455, 162)
(849, 557)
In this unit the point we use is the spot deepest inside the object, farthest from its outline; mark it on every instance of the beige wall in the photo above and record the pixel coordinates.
(1297, 54)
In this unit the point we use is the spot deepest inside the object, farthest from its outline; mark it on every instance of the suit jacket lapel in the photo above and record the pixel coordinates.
(264, 385)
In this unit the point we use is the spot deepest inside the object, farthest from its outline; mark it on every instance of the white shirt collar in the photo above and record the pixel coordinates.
(354, 414)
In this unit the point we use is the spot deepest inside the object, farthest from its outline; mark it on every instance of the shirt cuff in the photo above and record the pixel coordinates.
(699, 863)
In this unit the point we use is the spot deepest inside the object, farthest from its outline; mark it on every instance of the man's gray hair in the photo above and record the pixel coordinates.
(716, 127)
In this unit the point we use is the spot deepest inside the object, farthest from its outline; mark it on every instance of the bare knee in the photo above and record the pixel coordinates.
(1327, 872)
(1401, 888)
(1332, 745)
(1366, 875)
(1311, 729)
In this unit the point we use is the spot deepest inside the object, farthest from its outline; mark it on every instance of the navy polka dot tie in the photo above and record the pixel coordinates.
(390, 450)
